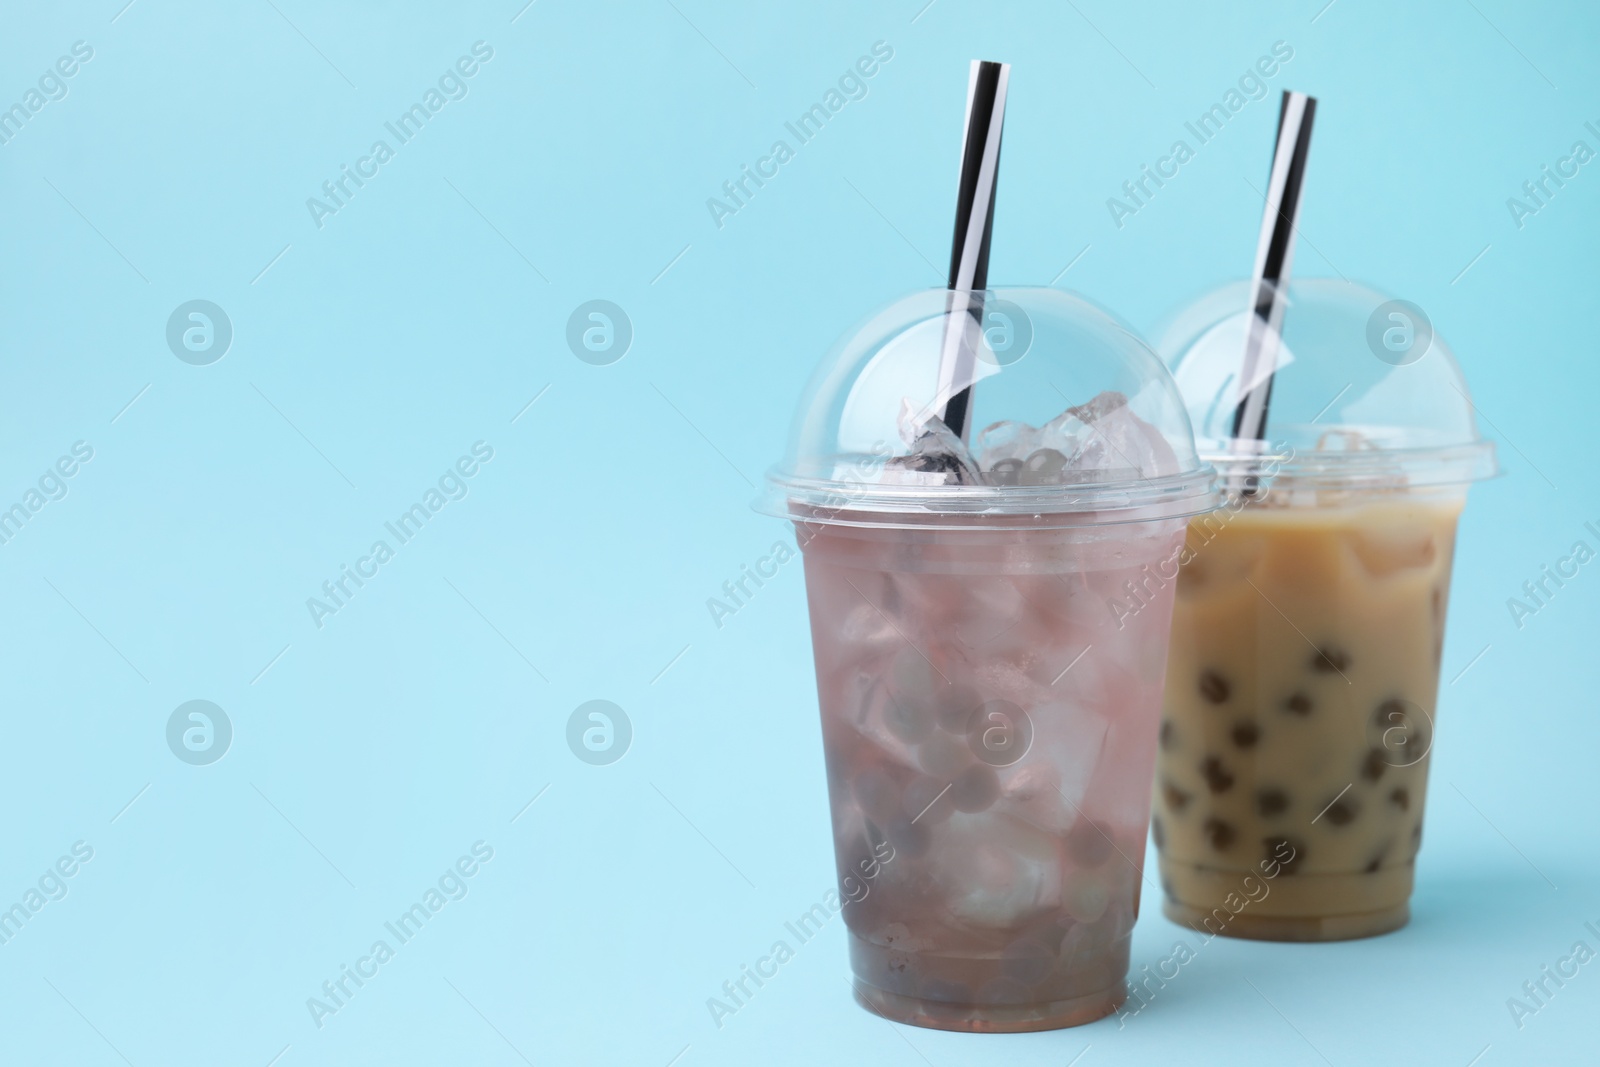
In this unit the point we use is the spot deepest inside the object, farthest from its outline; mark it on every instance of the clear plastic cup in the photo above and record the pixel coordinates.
(1309, 624)
(988, 715)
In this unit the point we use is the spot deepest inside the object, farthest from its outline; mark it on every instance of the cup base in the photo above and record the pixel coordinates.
(1294, 927)
(990, 1018)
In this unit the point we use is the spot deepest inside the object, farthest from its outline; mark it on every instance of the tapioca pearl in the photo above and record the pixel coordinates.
(1169, 735)
(1276, 849)
(1086, 899)
(1088, 843)
(1158, 832)
(926, 800)
(1177, 799)
(1342, 812)
(943, 757)
(1377, 858)
(910, 839)
(1043, 467)
(1330, 660)
(1245, 734)
(910, 721)
(1373, 766)
(1221, 834)
(912, 678)
(975, 788)
(1391, 712)
(1168, 888)
(1416, 837)
(1271, 801)
(1005, 472)
(1299, 704)
(1400, 797)
(954, 705)
(1218, 778)
(1214, 687)
(877, 793)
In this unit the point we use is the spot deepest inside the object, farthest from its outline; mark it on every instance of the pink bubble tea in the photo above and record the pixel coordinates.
(991, 715)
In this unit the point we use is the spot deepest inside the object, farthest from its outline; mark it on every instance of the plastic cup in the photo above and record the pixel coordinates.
(988, 716)
(1309, 625)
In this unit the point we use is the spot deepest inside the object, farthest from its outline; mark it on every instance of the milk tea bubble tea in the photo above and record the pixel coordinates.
(1308, 629)
(989, 687)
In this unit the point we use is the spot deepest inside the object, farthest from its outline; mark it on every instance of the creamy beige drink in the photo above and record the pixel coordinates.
(1307, 637)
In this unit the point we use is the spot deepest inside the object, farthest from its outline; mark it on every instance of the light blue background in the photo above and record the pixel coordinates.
(426, 714)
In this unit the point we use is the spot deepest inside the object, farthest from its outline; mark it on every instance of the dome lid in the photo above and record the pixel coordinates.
(1365, 392)
(1071, 420)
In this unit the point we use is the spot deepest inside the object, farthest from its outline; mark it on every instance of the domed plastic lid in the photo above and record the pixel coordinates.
(1365, 393)
(1069, 420)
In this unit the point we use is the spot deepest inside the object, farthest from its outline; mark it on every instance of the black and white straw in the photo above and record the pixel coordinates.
(969, 251)
(1274, 259)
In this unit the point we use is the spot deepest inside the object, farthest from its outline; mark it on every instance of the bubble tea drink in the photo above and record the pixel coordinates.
(988, 721)
(1309, 624)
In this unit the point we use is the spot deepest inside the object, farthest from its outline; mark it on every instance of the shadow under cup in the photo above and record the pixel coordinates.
(989, 718)
(1307, 639)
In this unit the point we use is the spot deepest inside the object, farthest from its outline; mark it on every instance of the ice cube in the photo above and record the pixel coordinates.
(1101, 436)
(1111, 437)
(1384, 551)
(1070, 736)
(1005, 442)
(937, 457)
(996, 871)
(1029, 791)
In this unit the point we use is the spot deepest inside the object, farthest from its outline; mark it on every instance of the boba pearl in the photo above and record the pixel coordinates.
(1221, 834)
(1271, 801)
(954, 704)
(1086, 899)
(1214, 687)
(1088, 844)
(925, 802)
(1218, 778)
(1043, 467)
(975, 788)
(943, 756)
(910, 839)
(1330, 661)
(1005, 472)
(910, 721)
(912, 679)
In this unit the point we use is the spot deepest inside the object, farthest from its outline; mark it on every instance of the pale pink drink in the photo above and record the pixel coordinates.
(987, 715)
(989, 616)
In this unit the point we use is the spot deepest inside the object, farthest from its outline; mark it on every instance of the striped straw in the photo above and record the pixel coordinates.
(1274, 258)
(969, 251)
